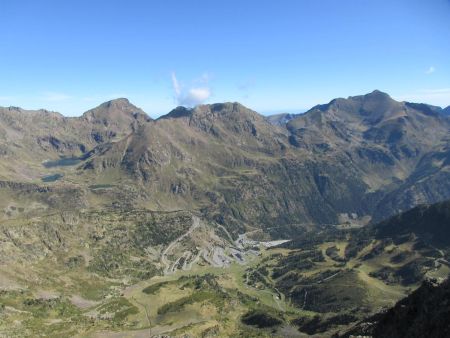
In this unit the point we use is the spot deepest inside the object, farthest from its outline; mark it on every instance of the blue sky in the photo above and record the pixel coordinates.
(272, 56)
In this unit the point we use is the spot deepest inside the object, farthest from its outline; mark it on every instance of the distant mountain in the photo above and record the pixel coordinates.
(35, 136)
(447, 110)
(386, 141)
(281, 119)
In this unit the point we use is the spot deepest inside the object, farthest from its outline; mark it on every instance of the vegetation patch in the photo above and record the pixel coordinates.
(333, 253)
(197, 297)
(342, 292)
(408, 274)
(148, 232)
(112, 262)
(260, 319)
(152, 289)
(117, 309)
(318, 324)
(75, 262)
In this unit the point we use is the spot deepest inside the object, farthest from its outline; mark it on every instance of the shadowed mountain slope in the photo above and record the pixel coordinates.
(424, 313)
(430, 222)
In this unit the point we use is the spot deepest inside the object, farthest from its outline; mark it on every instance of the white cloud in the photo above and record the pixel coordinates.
(198, 95)
(430, 70)
(193, 95)
(53, 97)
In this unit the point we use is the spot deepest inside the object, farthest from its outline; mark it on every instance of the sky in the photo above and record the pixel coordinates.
(272, 56)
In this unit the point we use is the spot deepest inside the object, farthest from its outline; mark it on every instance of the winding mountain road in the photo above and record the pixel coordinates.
(164, 260)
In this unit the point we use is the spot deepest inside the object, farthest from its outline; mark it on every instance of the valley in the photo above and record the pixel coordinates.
(316, 284)
(225, 169)
(218, 221)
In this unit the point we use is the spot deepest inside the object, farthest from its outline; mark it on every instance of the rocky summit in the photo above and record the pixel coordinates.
(219, 221)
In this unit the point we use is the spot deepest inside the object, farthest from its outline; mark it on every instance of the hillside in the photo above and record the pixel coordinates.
(33, 142)
(424, 313)
(234, 221)
(339, 276)
(430, 222)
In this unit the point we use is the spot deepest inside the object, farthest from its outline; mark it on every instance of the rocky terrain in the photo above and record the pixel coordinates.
(221, 214)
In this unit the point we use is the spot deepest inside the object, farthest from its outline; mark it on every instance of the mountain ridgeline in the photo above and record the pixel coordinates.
(355, 159)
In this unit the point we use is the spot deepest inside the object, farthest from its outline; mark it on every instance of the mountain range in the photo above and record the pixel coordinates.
(356, 159)
(219, 221)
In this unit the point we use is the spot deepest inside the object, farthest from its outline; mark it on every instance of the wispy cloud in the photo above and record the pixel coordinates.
(176, 85)
(430, 70)
(54, 96)
(192, 95)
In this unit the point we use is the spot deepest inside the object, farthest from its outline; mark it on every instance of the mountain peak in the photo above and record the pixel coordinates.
(225, 108)
(214, 109)
(378, 94)
(374, 96)
(229, 112)
(116, 114)
(177, 112)
(118, 110)
(120, 102)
